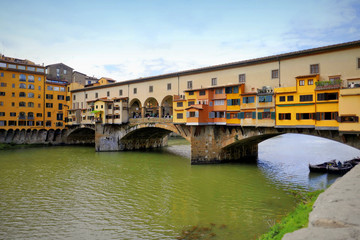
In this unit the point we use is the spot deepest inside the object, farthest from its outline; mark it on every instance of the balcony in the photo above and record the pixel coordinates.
(326, 85)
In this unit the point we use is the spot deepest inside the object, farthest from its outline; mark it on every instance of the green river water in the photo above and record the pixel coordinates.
(75, 193)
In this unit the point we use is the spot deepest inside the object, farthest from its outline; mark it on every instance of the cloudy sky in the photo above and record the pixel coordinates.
(139, 38)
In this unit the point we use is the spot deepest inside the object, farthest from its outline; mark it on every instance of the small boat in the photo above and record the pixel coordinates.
(354, 161)
(331, 167)
(342, 169)
(322, 168)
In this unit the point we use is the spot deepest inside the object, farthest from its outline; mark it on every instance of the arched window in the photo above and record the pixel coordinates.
(31, 95)
(31, 78)
(30, 115)
(30, 104)
(22, 85)
(22, 115)
(31, 86)
(22, 94)
(22, 104)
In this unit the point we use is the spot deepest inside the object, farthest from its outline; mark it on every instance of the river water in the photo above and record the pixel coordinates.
(75, 193)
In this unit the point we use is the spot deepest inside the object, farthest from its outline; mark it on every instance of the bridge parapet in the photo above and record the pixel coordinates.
(150, 120)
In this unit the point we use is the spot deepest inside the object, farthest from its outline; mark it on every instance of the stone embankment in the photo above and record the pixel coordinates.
(336, 212)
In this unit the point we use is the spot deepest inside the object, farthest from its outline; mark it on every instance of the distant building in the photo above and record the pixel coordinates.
(59, 71)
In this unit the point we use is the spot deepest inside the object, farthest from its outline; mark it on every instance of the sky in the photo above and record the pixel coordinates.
(130, 39)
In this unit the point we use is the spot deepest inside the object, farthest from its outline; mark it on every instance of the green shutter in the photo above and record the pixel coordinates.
(229, 102)
(227, 115)
(241, 115)
(273, 115)
(254, 115)
(259, 115)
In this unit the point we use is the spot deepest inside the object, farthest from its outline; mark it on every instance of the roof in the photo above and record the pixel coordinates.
(214, 87)
(59, 64)
(307, 76)
(194, 106)
(271, 58)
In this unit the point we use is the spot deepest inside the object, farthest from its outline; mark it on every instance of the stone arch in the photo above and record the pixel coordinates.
(135, 108)
(167, 107)
(81, 136)
(151, 107)
(146, 135)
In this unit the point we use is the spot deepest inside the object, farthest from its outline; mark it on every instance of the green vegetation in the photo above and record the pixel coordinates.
(328, 83)
(295, 220)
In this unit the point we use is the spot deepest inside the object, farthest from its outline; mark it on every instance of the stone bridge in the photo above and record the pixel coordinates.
(209, 144)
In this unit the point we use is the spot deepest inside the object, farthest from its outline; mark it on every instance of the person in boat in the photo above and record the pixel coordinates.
(339, 164)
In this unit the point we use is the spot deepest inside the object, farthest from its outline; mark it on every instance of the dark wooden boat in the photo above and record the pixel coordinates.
(354, 161)
(322, 168)
(331, 167)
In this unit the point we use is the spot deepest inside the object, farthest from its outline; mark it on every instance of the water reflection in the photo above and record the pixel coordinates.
(285, 159)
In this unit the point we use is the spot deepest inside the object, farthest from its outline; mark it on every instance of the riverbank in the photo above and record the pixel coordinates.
(336, 212)
(295, 220)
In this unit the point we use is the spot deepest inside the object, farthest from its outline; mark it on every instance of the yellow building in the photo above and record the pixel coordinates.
(265, 107)
(55, 107)
(349, 108)
(233, 103)
(179, 105)
(22, 87)
(295, 106)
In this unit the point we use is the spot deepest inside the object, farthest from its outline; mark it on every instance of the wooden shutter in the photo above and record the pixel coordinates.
(317, 116)
(197, 114)
(254, 115)
(227, 115)
(298, 116)
(187, 114)
(241, 115)
(259, 115)
(273, 115)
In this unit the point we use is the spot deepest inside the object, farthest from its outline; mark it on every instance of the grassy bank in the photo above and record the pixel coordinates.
(295, 220)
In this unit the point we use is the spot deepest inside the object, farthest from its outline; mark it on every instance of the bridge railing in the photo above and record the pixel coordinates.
(150, 120)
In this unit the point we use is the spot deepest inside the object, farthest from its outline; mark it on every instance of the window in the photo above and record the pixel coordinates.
(2, 123)
(310, 82)
(202, 93)
(62, 97)
(108, 93)
(22, 85)
(179, 104)
(264, 115)
(314, 68)
(22, 104)
(248, 115)
(13, 76)
(59, 116)
(169, 86)
(306, 98)
(56, 89)
(135, 90)
(65, 71)
(275, 73)
(31, 78)
(193, 114)
(302, 83)
(233, 102)
(48, 123)
(49, 88)
(31, 86)
(120, 92)
(39, 105)
(22, 77)
(2, 114)
(39, 115)
(39, 87)
(151, 88)
(13, 114)
(96, 95)
(13, 85)
(50, 96)
(22, 94)
(248, 99)
(290, 98)
(242, 78)
(326, 115)
(228, 90)
(49, 105)
(2, 93)
(265, 98)
(190, 103)
(189, 84)
(67, 98)
(284, 116)
(31, 104)
(62, 89)
(304, 116)
(282, 98)
(358, 62)
(60, 106)
(349, 119)
(219, 102)
(3, 84)
(39, 78)
(213, 81)
(31, 69)
(179, 116)
(191, 93)
(219, 91)
(31, 95)
(327, 96)
(1, 103)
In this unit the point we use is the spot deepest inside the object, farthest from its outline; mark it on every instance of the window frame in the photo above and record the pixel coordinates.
(315, 68)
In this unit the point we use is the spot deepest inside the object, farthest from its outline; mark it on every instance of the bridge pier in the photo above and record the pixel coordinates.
(207, 146)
